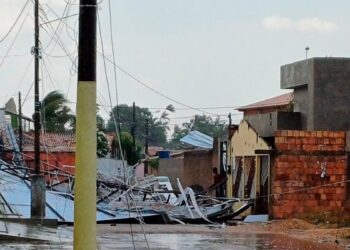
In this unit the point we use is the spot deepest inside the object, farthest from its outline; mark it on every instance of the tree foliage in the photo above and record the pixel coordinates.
(157, 126)
(102, 144)
(55, 114)
(127, 147)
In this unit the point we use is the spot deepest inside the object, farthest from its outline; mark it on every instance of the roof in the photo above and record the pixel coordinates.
(52, 142)
(277, 101)
(198, 139)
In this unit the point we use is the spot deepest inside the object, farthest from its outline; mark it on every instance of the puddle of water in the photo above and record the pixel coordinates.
(185, 241)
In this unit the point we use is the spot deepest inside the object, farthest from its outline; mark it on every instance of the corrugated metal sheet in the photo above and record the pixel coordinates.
(198, 139)
(15, 194)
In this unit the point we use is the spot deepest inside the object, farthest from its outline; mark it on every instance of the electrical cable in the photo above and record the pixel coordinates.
(14, 40)
(24, 74)
(111, 105)
(66, 9)
(117, 106)
(143, 83)
(53, 85)
(74, 38)
(14, 24)
(152, 89)
(30, 88)
(114, 61)
(57, 38)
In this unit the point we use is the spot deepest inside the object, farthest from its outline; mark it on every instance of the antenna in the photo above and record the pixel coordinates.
(306, 51)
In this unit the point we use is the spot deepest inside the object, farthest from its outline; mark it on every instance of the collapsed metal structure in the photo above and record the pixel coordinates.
(121, 198)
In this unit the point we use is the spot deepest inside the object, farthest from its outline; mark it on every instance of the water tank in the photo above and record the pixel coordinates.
(164, 154)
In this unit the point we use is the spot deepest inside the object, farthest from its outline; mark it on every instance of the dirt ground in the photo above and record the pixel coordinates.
(295, 228)
(300, 229)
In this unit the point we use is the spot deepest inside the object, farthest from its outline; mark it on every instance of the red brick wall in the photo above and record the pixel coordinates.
(62, 160)
(296, 173)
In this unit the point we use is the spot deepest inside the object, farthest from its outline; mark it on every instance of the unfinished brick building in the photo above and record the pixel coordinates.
(307, 138)
(309, 173)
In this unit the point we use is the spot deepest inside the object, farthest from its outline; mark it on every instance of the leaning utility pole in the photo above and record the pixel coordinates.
(20, 127)
(133, 133)
(38, 184)
(228, 159)
(85, 171)
(146, 147)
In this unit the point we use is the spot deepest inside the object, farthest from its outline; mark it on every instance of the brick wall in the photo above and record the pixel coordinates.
(62, 160)
(297, 184)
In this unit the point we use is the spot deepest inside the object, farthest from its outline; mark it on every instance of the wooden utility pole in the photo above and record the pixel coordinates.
(38, 184)
(85, 171)
(228, 159)
(133, 133)
(146, 148)
(20, 127)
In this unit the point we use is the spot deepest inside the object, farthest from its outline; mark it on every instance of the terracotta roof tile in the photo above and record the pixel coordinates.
(277, 101)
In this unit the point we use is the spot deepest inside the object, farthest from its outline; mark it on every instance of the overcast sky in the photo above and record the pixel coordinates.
(202, 53)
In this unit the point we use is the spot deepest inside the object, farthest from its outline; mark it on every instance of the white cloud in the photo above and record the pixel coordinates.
(315, 24)
(276, 23)
(302, 25)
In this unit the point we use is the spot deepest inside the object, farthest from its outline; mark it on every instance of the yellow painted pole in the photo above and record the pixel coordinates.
(85, 171)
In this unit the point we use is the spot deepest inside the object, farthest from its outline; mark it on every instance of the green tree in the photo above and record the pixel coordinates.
(202, 123)
(102, 144)
(55, 114)
(100, 123)
(127, 146)
(157, 126)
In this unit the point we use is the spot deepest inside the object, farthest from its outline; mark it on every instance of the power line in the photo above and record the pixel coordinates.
(114, 119)
(58, 19)
(114, 62)
(15, 55)
(152, 89)
(14, 24)
(225, 107)
(143, 83)
(57, 39)
(14, 40)
(65, 12)
(25, 73)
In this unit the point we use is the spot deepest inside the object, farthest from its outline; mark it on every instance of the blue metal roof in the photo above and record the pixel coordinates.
(198, 139)
(15, 195)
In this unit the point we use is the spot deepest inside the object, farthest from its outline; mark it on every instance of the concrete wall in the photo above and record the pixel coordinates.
(301, 105)
(266, 124)
(2, 118)
(173, 168)
(198, 168)
(331, 94)
(298, 186)
(297, 74)
(321, 89)
(194, 168)
(288, 120)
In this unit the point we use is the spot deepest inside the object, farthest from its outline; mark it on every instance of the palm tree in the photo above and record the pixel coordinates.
(56, 116)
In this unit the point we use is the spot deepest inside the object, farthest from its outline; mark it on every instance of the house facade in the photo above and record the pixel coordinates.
(308, 146)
